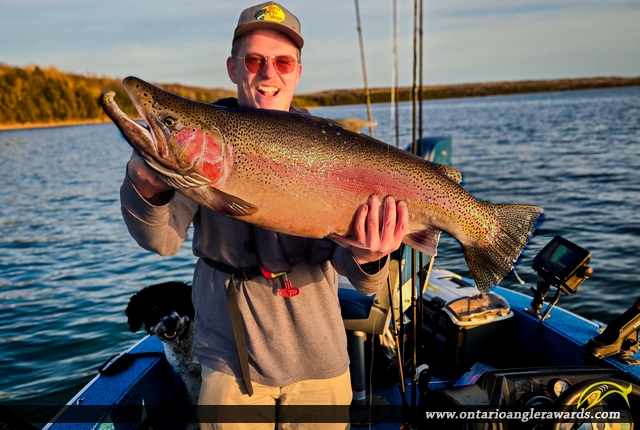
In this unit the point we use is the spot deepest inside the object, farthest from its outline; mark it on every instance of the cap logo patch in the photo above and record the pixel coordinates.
(270, 13)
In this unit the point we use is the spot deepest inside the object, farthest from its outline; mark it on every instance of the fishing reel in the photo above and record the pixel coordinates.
(562, 264)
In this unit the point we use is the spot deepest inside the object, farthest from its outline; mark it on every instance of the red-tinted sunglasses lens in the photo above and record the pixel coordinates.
(285, 64)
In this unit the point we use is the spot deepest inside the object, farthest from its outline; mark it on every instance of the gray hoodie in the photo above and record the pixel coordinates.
(288, 339)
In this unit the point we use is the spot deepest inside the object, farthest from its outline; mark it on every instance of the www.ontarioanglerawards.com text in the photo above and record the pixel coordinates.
(524, 416)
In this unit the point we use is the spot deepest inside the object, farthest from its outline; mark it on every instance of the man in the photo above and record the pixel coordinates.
(288, 330)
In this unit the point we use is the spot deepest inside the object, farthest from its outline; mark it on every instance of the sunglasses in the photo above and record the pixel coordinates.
(284, 64)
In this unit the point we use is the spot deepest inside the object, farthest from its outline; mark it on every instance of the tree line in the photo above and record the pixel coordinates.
(34, 95)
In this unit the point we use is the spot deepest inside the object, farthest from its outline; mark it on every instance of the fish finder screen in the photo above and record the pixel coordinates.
(560, 256)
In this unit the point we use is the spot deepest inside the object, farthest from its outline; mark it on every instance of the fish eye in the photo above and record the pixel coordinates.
(169, 121)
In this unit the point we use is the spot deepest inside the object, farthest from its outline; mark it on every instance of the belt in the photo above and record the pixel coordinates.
(243, 274)
(234, 311)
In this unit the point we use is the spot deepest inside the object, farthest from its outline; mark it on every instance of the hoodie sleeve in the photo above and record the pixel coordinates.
(366, 283)
(160, 229)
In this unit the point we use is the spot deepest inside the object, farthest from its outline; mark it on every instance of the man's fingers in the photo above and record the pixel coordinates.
(381, 233)
(359, 223)
(402, 222)
(373, 222)
(387, 232)
(145, 179)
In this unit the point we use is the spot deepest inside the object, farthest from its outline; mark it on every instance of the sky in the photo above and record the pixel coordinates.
(464, 41)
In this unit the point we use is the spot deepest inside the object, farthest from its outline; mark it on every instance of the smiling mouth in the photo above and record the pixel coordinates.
(267, 91)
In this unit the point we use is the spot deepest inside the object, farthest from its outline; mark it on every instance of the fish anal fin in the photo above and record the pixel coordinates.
(425, 241)
(346, 241)
(450, 172)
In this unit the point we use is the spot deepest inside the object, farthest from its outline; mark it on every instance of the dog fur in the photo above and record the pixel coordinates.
(166, 311)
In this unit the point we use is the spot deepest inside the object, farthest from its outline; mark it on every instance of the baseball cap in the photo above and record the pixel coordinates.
(272, 16)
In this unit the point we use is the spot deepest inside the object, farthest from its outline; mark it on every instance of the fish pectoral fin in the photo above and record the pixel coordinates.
(425, 241)
(346, 241)
(227, 204)
(451, 172)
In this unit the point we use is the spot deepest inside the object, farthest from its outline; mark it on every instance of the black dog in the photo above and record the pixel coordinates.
(167, 312)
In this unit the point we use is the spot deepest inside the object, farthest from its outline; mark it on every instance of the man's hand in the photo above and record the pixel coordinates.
(145, 180)
(382, 236)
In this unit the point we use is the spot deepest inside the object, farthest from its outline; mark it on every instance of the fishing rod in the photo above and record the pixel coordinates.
(416, 266)
(395, 111)
(364, 71)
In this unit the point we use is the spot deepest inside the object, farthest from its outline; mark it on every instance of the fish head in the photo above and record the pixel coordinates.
(181, 141)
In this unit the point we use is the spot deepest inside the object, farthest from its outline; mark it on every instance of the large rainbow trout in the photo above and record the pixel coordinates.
(305, 176)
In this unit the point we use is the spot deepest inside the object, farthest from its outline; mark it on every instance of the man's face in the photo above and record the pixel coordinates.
(267, 89)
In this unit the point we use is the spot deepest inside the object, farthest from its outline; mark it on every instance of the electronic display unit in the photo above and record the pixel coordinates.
(563, 264)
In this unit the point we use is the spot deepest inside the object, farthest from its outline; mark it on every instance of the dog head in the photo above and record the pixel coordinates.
(165, 310)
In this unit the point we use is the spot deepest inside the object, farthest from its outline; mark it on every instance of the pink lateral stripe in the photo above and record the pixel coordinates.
(347, 178)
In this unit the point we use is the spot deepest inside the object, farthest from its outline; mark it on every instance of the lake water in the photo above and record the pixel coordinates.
(68, 266)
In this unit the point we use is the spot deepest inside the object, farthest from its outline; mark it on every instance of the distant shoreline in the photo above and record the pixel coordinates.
(8, 127)
(383, 95)
(438, 92)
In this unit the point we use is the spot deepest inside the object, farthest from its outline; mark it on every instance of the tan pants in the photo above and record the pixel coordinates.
(222, 389)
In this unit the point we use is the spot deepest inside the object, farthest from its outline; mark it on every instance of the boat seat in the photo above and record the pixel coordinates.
(369, 314)
(353, 305)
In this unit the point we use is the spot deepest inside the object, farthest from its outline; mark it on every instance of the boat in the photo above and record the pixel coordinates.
(486, 359)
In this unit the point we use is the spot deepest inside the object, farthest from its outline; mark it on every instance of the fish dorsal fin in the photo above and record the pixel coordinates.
(425, 241)
(450, 172)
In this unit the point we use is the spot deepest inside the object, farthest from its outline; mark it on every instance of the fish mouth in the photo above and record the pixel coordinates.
(140, 95)
(137, 135)
(147, 138)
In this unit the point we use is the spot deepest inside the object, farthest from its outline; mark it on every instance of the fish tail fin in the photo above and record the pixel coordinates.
(490, 264)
